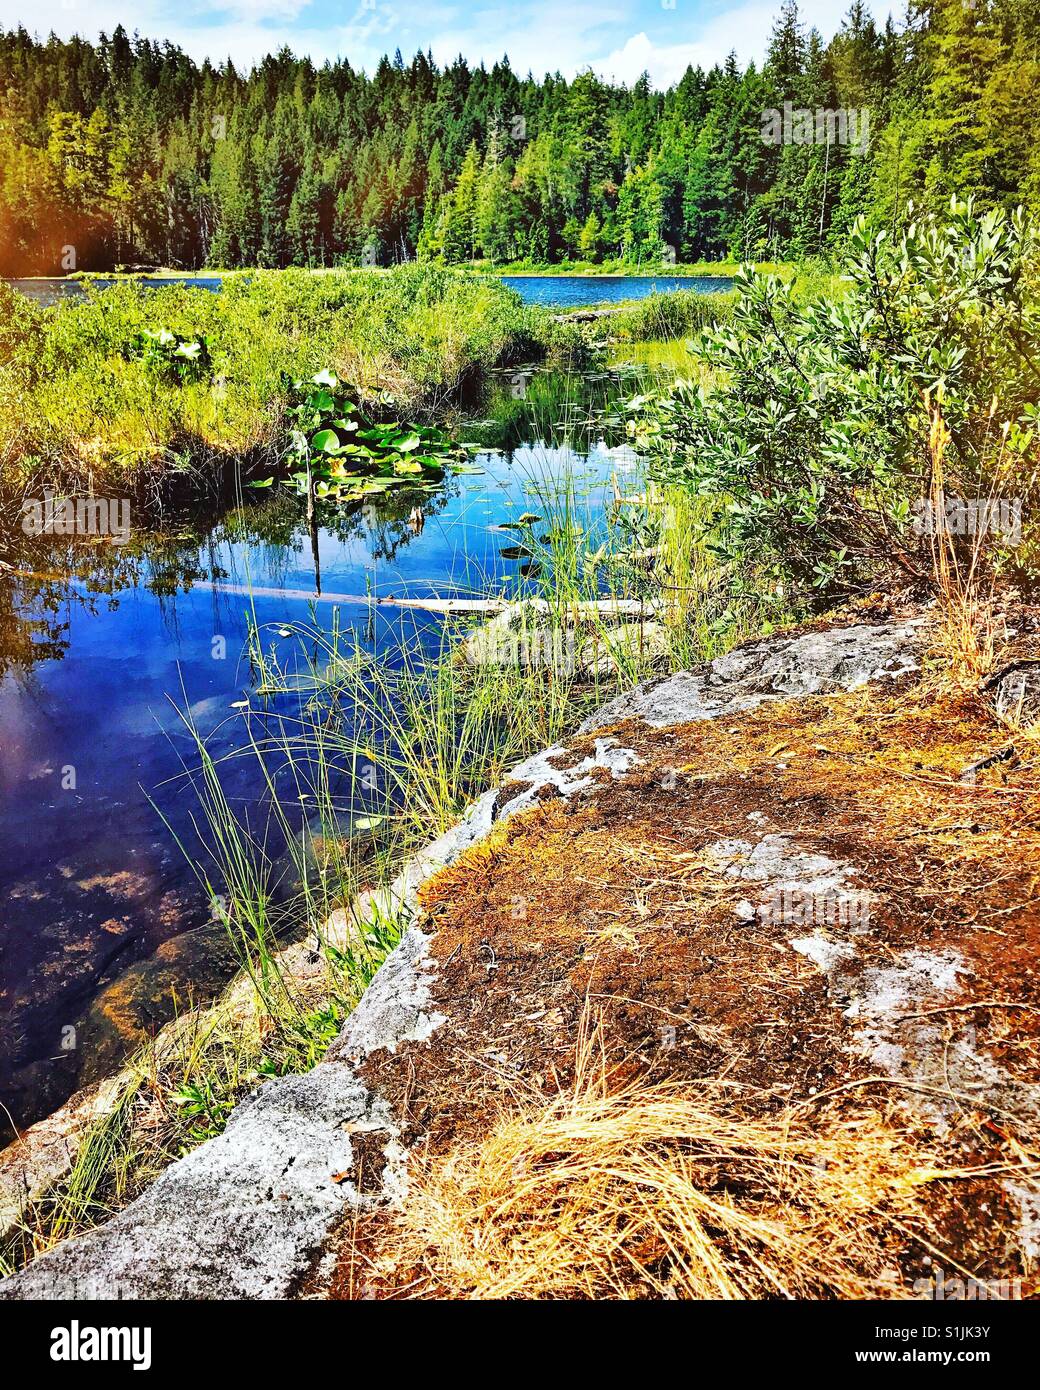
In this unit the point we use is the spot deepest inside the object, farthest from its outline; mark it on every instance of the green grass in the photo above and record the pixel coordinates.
(439, 728)
(74, 400)
(667, 316)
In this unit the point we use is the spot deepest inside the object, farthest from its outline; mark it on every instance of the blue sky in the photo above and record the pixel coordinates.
(618, 38)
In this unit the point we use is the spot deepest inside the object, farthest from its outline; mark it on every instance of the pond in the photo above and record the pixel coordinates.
(103, 647)
(557, 291)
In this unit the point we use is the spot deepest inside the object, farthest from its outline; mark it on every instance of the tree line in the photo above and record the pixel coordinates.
(127, 151)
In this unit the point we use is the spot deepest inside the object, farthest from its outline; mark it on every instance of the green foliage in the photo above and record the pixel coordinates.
(340, 449)
(816, 444)
(21, 332)
(138, 154)
(90, 383)
(174, 355)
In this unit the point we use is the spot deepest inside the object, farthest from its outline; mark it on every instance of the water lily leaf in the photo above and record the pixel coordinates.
(261, 482)
(325, 441)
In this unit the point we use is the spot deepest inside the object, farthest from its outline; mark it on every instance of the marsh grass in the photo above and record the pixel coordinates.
(671, 314)
(74, 396)
(360, 759)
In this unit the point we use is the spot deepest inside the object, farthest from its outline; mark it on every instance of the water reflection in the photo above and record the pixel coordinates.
(101, 646)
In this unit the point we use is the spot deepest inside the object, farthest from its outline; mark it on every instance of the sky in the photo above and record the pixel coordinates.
(616, 38)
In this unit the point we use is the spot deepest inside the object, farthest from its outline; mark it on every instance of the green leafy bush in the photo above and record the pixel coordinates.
(815, 445)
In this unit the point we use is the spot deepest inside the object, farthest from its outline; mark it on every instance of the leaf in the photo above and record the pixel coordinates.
(325, 441)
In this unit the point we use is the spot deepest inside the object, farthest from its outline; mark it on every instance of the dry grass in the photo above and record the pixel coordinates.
(667, 1190)
(967, 629)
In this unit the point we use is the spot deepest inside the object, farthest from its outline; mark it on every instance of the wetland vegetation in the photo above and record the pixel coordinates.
(392, 528)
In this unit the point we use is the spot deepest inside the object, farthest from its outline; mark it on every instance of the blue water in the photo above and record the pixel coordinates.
(51, 291)
(103, 649)
(558, 291)
(576, 291)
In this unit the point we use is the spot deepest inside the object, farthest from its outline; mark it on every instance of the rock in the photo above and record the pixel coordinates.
(246, 1214)
(136, 1005)
(1015, 693)
(237, 1218)
(603, 654)
(44, 1154)
(525, 635)
(771, 669)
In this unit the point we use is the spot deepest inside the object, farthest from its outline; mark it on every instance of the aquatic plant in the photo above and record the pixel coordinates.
(176, 355)
(339, 448)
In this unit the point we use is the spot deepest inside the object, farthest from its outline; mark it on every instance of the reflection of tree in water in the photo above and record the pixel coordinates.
(43, 579)
(391, 519)
(523, 405)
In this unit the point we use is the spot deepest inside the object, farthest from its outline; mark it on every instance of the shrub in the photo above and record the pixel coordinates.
(815, 446)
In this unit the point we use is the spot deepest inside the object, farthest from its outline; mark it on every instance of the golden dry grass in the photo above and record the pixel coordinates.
(967, 629)
(669, 1191)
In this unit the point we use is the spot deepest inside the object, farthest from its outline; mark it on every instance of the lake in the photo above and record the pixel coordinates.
(104, 647)
(578, 291)
(555, 291)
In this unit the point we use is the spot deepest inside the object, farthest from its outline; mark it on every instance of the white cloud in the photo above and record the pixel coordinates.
(665, 63)
(539, 37)
(745, 28)
(622, 38)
